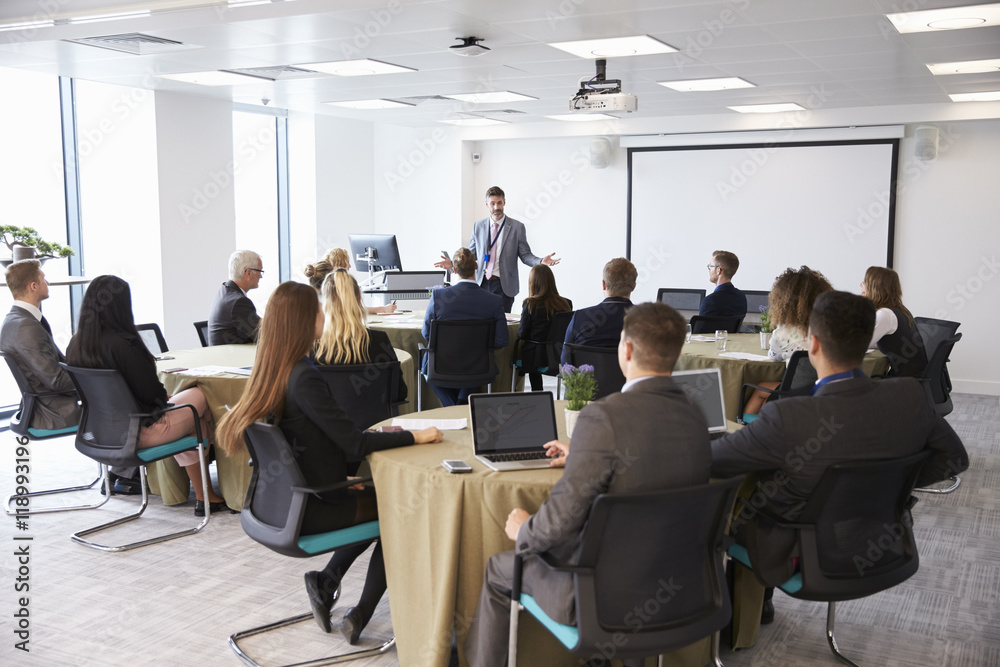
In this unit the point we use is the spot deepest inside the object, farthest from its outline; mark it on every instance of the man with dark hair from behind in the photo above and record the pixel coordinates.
(849, 415)
(726, 300)
(601, 325)
(649, 437)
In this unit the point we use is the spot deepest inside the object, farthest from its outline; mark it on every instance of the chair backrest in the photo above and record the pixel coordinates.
(681, 298)
(202, 329)
(107, 432)
(557, 335)
(800, 376)
(607, 371)
(933, 332)
(756, 299)
(632, 543)
(702, 324)
(272, 512)
(859, 538)
(366, 392)
(460, 353)
(935, 377)
(21, 420)
(152, 337)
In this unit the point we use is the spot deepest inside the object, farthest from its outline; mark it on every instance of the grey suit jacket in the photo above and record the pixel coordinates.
(646, 439)
(513, 246)
(27, 342)
(234, 318)
(794, 440)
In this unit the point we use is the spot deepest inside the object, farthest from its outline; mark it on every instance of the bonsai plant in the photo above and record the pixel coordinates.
(581, 386)
(27, 237)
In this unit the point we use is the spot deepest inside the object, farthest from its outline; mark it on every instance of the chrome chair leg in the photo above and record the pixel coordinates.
(515, 610)
(830, 618)
(956, 482)
(78, 537)
(715, 650)
(101, 476)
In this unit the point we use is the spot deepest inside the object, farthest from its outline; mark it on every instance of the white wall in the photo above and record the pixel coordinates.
(344, 188)
(194, 143)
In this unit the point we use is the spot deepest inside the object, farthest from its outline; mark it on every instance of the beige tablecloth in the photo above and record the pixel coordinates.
(736, 372)
(438, 531)
(404, 334)
(168, 479)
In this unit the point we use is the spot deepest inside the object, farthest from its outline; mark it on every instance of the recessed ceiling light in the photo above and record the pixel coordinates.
(701, 85)
(582, 117)
(27, 25)
(110, 17)
(967, 67)
(491, 97)
(768, 108)
(363, 67)
(213, 78)
(473, 122)
(370, 104)
(949, 18)
(614, 47)
(985, 96)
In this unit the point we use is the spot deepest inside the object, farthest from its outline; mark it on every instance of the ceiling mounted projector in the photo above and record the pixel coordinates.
(470, 46)
(599, 94)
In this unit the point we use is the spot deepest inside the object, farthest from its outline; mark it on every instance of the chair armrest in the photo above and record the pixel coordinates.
(38, 394)
(771, 517)
(743, 400)
(331, 487)
(561, 566)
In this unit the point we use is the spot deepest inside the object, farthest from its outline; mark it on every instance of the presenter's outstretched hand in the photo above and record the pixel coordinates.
(427, 435)
(557, 451)
(548, 260)
(445, 263)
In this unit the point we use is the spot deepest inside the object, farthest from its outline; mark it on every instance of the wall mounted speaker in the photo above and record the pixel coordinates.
(600, 153)
(925, 142)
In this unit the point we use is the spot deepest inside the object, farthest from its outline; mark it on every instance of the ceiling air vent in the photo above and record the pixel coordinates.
(276, 72)
(133, 42)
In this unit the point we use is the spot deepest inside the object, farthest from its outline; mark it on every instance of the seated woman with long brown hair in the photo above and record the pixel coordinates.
(286, 387)
(895, 334)
(337, 258)
(107, 338)
(542, 304)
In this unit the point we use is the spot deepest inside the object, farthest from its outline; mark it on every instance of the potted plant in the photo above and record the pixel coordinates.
(26, 243)
(580, 390)
(765, 328)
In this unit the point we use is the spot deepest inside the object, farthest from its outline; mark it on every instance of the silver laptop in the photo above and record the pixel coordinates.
(704, 388)
(509, 431)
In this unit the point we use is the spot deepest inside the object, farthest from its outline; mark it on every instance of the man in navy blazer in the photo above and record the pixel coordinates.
(499, 241)
(464, 300)
(601, 325)
(726, 300)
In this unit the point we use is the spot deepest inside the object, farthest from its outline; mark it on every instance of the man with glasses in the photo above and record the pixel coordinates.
(234, 318)
(726, 300)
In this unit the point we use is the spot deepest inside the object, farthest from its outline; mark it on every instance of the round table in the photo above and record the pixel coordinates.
(737, 372)
(404, 333)
(169, 480)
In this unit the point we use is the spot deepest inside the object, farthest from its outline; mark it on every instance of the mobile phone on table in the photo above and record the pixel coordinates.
(455, 466)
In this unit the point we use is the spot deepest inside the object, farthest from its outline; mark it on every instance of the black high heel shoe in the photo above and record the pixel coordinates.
(352, 625)
(320, 599)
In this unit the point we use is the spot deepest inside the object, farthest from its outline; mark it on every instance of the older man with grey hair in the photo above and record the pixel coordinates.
(234, 318)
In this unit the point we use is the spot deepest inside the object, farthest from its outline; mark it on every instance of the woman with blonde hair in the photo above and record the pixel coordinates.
(346, 340)
(537, 311)
(285, 387)
(337, 258)
(895, 334)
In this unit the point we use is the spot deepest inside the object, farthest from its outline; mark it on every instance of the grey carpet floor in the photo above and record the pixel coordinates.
(176, 603)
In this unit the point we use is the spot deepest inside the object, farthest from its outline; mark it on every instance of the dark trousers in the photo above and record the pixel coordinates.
(494, 287)
(449, 396)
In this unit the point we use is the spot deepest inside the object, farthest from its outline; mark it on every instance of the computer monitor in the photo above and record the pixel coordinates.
(384, 249)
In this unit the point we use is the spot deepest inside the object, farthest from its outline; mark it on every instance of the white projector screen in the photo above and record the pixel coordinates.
(828, 205)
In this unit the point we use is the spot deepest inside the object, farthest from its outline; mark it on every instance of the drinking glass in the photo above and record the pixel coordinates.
(721, 338)
(687, 336)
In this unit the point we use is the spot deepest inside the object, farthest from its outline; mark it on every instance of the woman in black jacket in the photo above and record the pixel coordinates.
(536, 318)
(286, 387)
(107, 338)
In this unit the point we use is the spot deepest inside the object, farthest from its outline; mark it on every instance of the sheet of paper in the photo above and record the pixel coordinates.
(443, 424)
(745, 356)
(205, 371)
(703, 339)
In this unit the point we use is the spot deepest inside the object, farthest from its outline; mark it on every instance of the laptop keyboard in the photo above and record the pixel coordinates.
(516, 456)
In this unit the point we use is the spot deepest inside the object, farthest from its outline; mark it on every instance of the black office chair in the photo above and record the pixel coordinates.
(702, 324)
(366, 392)
(856, 504)
(552, 345)
(755, 300)
(109, 434)
(202, 329)
(20, 425)
(272, 515)
(681, 298)
(620, 569)
(459, 355)
(607, 371)
(152, 337)
(798, 380)
(934, 334)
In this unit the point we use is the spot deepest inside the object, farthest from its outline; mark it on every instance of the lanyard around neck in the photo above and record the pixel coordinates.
(854, 373)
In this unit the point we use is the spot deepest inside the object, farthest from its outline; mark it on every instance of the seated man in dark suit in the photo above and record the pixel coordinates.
(601, 325)
(234, 318)
(848, 417)
(464, 300)
(726, 300)
(649, 437)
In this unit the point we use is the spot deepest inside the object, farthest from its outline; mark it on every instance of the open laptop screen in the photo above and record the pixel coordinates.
(513, 422)
(704, 388)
